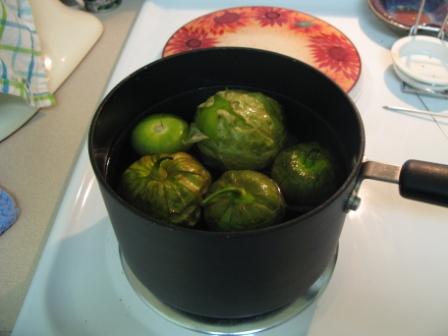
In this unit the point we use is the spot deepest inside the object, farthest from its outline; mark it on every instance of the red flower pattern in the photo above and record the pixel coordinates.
(271, 16)
(225, 21)
(335, 53)
(189, 38)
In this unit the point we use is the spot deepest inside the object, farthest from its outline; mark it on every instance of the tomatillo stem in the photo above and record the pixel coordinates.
(239, 193)
(157, 171)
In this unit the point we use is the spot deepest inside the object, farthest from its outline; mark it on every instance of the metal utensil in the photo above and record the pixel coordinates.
(417, 111)
(441, 34)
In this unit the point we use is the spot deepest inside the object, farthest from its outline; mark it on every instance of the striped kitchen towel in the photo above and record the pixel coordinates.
(22, 70)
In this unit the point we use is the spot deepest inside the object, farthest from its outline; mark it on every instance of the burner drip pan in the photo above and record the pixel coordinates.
(246, 326)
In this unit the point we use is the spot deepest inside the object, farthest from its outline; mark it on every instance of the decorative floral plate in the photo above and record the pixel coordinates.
(285, 31)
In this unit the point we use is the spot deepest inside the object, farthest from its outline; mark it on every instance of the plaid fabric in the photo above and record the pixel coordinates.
(22, 71)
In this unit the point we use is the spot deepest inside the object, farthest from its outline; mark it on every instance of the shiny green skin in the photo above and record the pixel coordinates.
(243, 200)
(160, 133)
(168, 187)
(245, 130)
(305, 173)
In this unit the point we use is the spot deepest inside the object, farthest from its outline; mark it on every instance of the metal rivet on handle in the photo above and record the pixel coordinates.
(353, 203)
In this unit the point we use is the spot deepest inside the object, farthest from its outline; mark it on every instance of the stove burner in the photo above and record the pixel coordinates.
(245, 326)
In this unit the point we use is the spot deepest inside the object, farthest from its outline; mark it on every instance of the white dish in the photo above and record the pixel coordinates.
(423, 58)
(417, 84)
(14, 112)
(66, 35)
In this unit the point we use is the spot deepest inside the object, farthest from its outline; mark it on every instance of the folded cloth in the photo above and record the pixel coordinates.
(8, 211)
(22, 70)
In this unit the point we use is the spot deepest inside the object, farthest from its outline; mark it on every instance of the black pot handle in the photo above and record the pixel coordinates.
(418, 180)
(424, 181)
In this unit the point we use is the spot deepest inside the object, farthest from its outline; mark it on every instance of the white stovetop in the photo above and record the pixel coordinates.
(391, 277)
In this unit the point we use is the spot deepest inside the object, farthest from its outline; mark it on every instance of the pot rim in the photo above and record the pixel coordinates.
(228, 234)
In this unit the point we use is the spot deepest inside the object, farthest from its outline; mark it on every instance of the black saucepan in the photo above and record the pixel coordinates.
(235, 275)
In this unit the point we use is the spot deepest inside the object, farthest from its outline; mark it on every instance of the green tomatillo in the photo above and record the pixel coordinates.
(160, 133)
(306, 174)
(244, 130)
(243, 200)
(168, 187)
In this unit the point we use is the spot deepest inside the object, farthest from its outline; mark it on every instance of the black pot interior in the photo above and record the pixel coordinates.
(316, 109)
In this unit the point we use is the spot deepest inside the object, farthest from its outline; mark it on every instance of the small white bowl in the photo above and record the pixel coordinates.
(423, 58)
(417, 84)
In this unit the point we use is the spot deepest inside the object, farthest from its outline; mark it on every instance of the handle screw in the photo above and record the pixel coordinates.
(352, 203)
